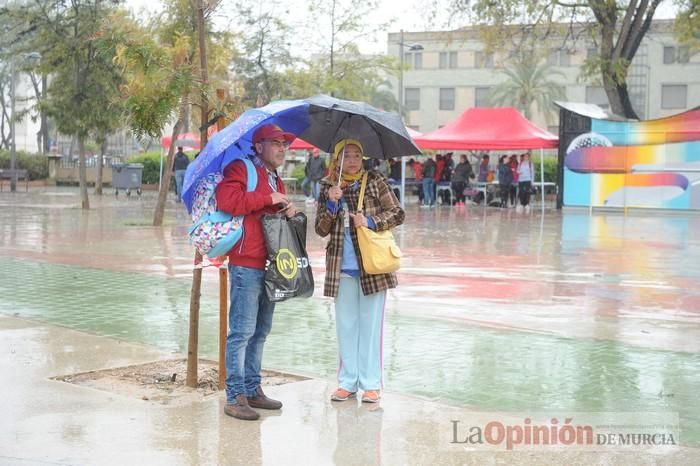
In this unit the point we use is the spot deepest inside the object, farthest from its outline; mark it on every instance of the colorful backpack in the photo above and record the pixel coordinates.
(213, 232)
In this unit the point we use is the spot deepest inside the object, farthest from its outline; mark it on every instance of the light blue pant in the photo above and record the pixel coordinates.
(249, 323)
(359, 325)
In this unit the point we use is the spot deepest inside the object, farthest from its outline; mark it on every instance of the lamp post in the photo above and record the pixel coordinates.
(411, 48)
(33, 56)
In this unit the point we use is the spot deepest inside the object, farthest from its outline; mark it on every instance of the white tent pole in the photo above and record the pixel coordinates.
(542, 177)
(403, 182)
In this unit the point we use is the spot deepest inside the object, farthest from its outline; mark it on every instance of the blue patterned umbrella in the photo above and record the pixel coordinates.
(236, 140)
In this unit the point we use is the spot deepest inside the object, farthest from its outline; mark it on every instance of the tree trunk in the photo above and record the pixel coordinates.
(193, 343)
(619, 98)
(98, 179)
(168, 173)
(82, 171)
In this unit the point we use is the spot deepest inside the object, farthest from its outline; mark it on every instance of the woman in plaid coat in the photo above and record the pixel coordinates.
(359, 297)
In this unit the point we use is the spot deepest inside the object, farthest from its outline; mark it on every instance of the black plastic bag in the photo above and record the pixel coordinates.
(287, 271)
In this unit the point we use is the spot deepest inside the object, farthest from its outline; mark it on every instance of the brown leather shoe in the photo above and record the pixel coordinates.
(260, 400)
(241, 410)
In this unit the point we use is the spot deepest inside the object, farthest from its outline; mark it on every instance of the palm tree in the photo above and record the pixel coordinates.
(528, 82)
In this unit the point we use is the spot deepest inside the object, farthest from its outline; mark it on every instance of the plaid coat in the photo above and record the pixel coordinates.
(380, 204)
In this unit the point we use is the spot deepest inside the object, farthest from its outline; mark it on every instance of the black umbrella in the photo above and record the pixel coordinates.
(382, 134)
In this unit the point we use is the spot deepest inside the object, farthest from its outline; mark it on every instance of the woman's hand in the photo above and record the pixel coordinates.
(358, 219)
(334, 193)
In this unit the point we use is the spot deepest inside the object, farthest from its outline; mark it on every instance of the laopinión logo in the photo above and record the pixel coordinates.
(588, 434)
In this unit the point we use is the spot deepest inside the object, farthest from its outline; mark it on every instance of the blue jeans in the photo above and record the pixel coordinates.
(179, 180)
(316, 189)
(305, 187)
(428, 191)
(249, 323)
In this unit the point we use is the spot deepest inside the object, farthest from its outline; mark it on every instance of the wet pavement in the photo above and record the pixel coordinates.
(495, 310)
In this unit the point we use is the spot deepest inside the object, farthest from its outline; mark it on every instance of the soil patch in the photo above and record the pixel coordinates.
(163, 382)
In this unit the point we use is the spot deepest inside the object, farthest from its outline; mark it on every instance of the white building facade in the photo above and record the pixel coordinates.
(453, 73)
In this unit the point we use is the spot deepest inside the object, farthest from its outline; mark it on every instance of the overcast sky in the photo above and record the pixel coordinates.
(412, 18)
(409, 15)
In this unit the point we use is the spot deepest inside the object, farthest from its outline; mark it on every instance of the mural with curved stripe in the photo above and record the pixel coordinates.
(653, 163)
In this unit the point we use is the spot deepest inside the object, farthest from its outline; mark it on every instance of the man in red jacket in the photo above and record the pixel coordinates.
(250, 314)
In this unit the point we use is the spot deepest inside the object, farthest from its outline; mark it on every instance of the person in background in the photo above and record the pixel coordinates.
(359, 296)
(395, 170)
(428, 183)
(484, 169)
(180, 166)
(449, 167)
(526, 174)
(439, 168)
(460, 179)
(505, 179)
(513, 164)
(418, 174)
(317, 170)
(306, 184)
(410, 169)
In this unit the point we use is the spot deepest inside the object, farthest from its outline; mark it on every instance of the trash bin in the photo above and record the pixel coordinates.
(127, 176)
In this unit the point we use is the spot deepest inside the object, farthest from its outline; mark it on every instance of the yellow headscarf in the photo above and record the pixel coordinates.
(335, 160)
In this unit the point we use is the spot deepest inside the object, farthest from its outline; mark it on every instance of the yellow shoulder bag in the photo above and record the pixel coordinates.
(379, 251)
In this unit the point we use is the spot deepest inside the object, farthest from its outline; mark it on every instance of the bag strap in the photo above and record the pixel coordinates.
(252, 175)
(360, 203)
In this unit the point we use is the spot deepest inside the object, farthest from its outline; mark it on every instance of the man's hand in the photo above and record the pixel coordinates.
(279, 198)
(335, 193)
(290, 210)
(358, 219)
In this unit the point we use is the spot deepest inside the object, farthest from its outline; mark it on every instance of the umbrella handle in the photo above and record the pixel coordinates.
(340, 167)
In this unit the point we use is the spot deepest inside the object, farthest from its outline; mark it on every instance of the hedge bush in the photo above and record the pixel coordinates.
(298, 172)
(151, 166)
(37, 165)
(550, 169)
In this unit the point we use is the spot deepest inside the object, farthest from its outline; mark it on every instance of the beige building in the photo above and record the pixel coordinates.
(453, 73)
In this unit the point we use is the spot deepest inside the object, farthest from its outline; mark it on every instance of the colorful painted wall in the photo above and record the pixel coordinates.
(653, 163)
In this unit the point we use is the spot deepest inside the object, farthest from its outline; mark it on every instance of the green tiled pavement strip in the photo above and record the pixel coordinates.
(441, 360)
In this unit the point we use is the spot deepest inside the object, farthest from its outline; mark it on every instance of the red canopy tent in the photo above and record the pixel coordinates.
(480, 128)
(300, 144)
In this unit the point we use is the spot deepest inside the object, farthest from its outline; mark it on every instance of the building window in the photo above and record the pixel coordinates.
(448, 60)
(676, 55)
(596, 95)
(418, 60)
(559, 58)
(669, 55)
(483, 60)
(412, 98)
(481, 96)
(447, 98)
(674, 95)
(591, 53)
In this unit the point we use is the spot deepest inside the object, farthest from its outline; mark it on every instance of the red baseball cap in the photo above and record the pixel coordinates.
(272, 132)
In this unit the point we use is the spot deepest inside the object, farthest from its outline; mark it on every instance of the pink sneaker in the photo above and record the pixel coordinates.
(371, 396)
(342, 395)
